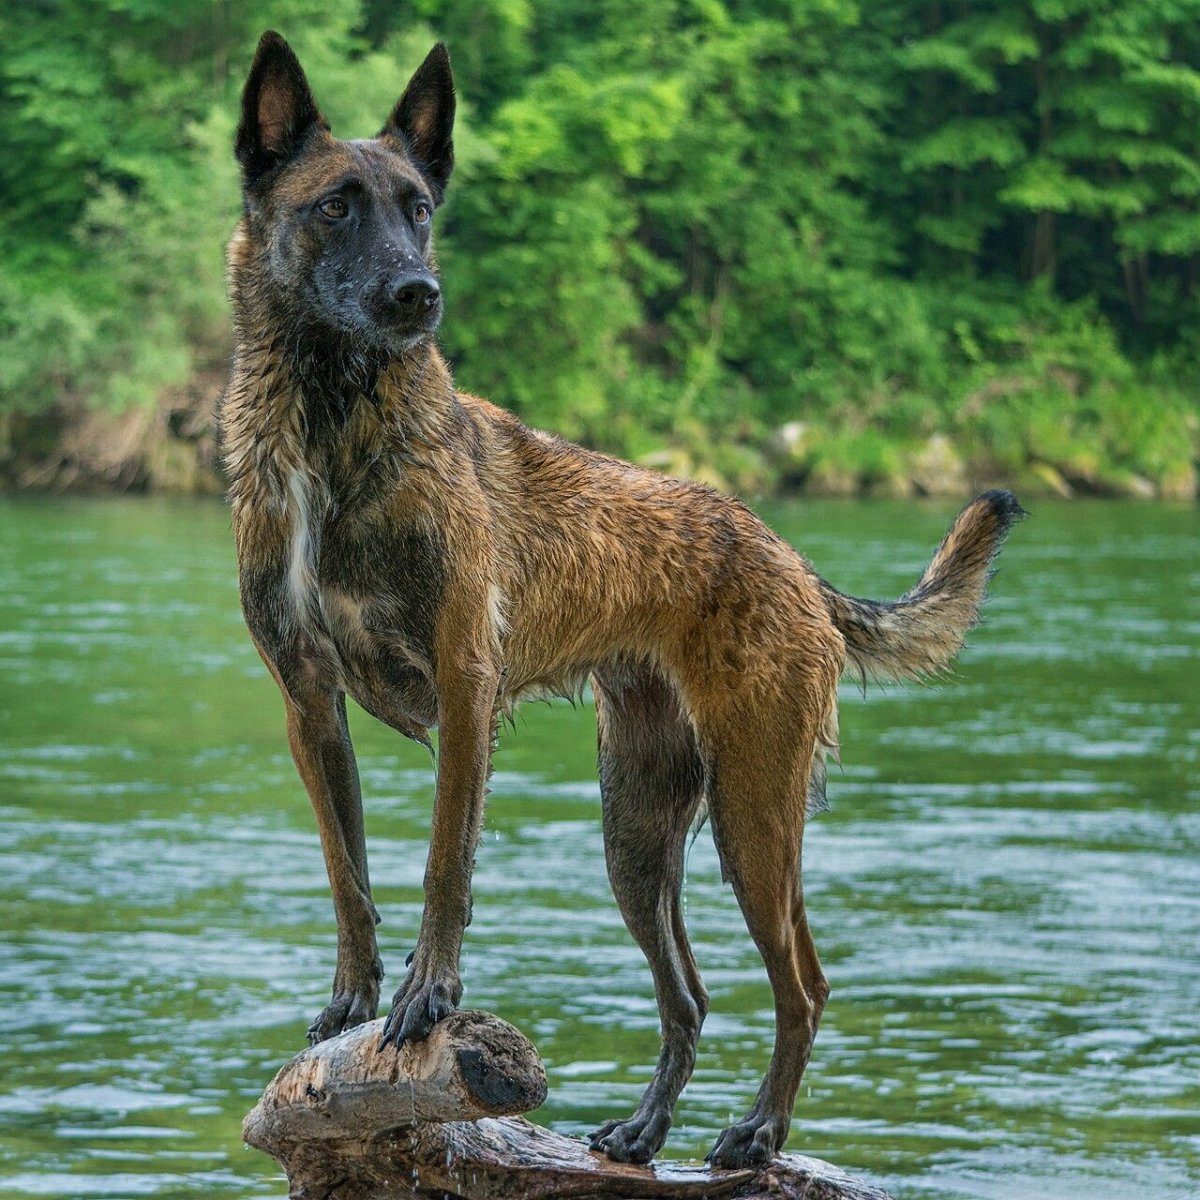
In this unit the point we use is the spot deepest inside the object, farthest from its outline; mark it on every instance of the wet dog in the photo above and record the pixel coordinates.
(420, 550)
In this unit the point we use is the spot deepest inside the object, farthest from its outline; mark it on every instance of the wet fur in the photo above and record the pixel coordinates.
(422, 551)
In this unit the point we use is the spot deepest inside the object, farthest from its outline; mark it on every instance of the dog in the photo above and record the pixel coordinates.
(422, 551)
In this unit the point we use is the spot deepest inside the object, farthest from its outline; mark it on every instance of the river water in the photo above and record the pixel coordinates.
(1006, 894)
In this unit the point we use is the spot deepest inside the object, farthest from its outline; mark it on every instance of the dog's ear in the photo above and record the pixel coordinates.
(423, 119)
(278, 109)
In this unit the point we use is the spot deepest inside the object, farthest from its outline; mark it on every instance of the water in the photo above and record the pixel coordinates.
(1006, 894)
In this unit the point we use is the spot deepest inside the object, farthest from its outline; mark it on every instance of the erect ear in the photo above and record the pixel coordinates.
(278, 109)
(423, 119)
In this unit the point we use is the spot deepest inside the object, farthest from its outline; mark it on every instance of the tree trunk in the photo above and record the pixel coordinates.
(348, 1121)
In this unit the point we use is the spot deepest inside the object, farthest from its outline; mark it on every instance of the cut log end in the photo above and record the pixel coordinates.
(472, 1065)
(348, 1121)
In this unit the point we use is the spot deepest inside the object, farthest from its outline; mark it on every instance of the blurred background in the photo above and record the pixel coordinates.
(802, 244)
(888, 251)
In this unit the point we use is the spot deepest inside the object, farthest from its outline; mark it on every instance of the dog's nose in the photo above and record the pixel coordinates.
(415, 294)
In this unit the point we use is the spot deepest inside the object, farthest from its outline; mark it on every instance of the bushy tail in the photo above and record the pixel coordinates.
(920, 633)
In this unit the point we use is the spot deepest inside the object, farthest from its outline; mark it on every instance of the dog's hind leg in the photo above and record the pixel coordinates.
(651, 780)
(757, 813)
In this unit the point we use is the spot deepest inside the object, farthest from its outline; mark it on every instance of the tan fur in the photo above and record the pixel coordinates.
(607, 560)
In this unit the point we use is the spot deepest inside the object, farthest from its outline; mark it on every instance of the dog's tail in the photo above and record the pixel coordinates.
(920, 633)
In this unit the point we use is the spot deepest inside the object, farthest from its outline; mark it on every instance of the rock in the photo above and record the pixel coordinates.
(937, 469)
(1129, 485)
(792, 444)
(831, 478)
(895, 485)
(1040, 478)
(1178, 482)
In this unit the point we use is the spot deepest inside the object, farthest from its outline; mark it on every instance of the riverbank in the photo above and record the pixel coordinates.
(171, 449)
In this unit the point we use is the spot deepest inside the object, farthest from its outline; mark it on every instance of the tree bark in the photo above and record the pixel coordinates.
(348, 1121)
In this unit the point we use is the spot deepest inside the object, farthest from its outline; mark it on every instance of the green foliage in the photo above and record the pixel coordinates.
(675, 222)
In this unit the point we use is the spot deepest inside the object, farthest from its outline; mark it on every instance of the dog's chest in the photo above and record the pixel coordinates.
(364, 595)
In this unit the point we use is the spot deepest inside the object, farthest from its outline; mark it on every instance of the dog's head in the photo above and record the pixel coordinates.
(343, 228)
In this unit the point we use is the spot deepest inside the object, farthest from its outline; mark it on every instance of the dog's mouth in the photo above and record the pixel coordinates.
(403, 343)
(404, 335)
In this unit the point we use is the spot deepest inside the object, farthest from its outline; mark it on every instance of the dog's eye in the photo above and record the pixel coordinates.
(421, 214)
(333, 207)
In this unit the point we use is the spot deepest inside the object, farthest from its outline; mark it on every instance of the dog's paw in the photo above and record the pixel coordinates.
(344, 1011)
(636, 1140)
(423, 999)
(750, 1143)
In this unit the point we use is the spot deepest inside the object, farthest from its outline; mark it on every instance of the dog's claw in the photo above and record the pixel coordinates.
(636, 1140)
(344, 1011)
(419, 1004)
(750, 1143)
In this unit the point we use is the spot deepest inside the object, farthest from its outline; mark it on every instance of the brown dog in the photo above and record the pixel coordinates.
(425, 553)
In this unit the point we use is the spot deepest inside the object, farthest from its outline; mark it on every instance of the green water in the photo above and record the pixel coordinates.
(1006, 893)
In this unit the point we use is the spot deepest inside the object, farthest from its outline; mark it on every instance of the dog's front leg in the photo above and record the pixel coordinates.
(466, 719)
(320, 742)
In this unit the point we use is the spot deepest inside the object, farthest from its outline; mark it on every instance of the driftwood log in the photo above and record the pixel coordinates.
(438, 1118)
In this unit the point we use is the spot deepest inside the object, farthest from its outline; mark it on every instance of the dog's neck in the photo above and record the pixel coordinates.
(332, 372)
(330, 376)
(328, 412)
